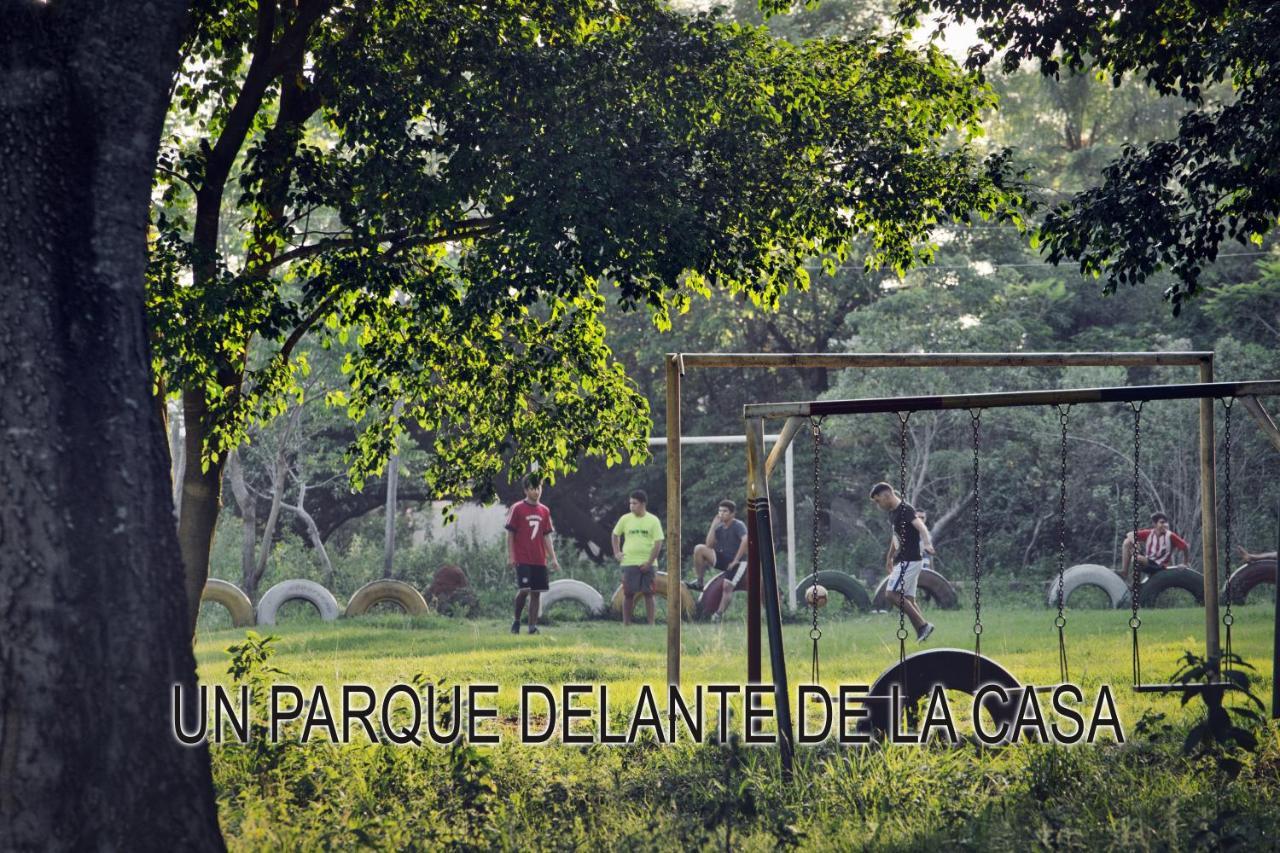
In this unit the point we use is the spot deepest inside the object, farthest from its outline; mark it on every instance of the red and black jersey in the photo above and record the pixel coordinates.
(530, 523)
(1159, 549)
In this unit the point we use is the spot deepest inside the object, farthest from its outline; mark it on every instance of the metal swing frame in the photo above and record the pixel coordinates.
(762, 568)
(678, 363)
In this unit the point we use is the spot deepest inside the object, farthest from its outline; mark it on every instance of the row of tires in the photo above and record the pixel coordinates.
(933, 586)
(244, 614)
(934, 589)
(1241, 582)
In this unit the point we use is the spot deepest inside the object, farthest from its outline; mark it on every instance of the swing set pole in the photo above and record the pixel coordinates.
(1275, 632)
(767, 588)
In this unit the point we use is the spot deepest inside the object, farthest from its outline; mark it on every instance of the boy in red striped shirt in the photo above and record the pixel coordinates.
(1158, 549)
(529, 550)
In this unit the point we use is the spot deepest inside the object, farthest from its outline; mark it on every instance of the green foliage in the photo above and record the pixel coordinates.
(453, 189)
(1225, 729)
(1175, 203)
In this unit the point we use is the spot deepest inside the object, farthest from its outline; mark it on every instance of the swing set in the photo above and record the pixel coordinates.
(914, 676)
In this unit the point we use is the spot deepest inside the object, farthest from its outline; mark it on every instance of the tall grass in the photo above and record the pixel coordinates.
(1141, 795)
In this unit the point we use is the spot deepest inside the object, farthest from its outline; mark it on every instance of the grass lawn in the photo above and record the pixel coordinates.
(381, 650)
(1144, 794)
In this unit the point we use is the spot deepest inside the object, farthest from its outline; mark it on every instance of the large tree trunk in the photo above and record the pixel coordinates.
(94, 631)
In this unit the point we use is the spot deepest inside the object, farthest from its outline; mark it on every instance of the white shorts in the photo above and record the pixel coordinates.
(905, 576)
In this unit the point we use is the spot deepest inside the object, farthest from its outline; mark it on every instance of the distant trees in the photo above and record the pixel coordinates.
(1173, 203)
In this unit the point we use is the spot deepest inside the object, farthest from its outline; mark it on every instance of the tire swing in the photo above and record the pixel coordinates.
(915, 676)
(382, 590)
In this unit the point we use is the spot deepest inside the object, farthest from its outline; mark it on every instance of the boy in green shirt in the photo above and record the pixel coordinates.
(637, 541)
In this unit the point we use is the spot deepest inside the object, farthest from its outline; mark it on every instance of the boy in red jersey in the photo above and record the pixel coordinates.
(529, 550)
(1159, 548)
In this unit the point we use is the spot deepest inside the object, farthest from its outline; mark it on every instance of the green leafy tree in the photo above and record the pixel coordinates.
(455, 188)
(1172, 203)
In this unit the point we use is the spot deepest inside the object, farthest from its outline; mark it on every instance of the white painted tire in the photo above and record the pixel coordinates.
(1089, 574)
(231, 597)
(385, 589)
(568, 589)
(297, 590)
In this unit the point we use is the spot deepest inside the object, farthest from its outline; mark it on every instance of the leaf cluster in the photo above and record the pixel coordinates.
(1173, 203)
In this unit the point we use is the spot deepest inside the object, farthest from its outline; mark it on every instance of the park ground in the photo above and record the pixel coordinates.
(1144, 794)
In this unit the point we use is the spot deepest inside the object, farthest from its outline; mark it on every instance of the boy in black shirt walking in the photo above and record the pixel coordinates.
(904, 573)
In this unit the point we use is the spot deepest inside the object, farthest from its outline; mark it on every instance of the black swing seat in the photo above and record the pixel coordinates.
(953, 669)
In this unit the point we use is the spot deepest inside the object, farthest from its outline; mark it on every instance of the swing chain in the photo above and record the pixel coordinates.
(975, 416)
(1064, 413)
(815, 428)
(903, 418)
(1134, 621)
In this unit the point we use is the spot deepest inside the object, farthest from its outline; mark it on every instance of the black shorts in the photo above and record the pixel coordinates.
(531, 577)
(723, 561)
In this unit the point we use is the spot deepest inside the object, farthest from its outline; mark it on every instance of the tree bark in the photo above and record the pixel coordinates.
(201, 501)
(248, 504)
(178, 462)
(94, 633)
(313, 532)
(393, 481)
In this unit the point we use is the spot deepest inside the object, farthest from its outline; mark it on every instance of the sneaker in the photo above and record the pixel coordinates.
(696, 586)
(515, 627)
(923, 633)
(533, 629)
(715, 617)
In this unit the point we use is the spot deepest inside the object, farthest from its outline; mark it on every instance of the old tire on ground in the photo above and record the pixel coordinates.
(568, 589)
(712, 594)
(376, 592)
(931, 587)
(1248, 576)
(1089, 574)
(659, 590)
(855, 594)
(1176, 578)
(297, 590)
(231, 597)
